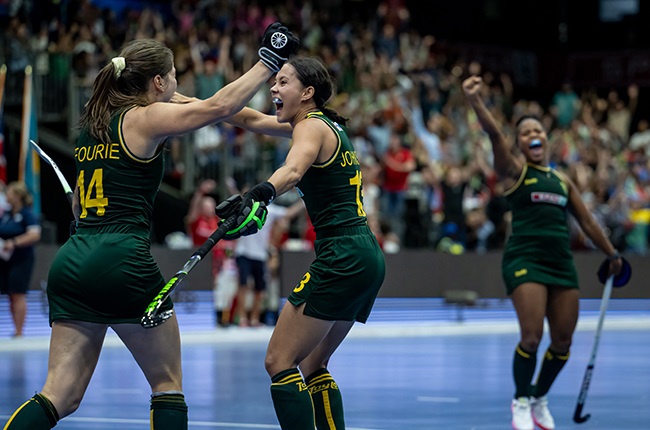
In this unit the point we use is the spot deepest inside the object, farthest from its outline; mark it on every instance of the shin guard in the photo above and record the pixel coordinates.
(168, 411)
(292, 401)
(38, 413)
(328, 403)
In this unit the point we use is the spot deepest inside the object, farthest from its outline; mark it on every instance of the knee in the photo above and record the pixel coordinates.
(275, 363)
(270, 364)
(530, 340)
(561, 345)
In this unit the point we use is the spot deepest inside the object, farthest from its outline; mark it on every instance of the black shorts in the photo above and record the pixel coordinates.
(248, 268)
(16, 275)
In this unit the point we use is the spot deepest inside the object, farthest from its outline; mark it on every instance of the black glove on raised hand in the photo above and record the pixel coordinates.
(251, 215)
(278, 44)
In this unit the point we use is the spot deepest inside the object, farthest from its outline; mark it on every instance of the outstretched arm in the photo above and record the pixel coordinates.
(257, 122)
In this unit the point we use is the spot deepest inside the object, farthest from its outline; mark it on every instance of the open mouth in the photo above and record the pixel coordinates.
(536, 147)
(278, 103)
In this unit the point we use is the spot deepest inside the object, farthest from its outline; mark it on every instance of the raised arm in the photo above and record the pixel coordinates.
(505, 164)
(159, 120)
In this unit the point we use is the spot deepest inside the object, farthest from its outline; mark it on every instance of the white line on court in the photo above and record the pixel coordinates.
(375, 330)
(438, 399)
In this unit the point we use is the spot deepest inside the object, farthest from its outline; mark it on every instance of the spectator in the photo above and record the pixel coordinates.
(19, 231)
(397, 163)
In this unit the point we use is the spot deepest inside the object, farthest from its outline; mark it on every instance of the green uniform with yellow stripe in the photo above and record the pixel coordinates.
(343, 281)
(538, 249)
(105, 272)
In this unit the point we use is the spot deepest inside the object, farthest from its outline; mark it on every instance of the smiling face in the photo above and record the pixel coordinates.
(289, 95)
(532, 140)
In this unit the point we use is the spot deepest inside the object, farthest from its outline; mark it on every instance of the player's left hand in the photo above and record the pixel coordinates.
(278, 44)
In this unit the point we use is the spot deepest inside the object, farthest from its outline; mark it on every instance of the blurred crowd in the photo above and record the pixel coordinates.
(427, 167)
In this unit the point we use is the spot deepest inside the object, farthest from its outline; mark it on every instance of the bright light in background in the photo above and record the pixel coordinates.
(616, 10)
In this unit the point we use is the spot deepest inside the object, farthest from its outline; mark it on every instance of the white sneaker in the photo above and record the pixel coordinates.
(541, 415)
(522, 418)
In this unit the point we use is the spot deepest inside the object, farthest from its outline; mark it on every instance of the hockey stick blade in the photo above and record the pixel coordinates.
(577, 414)
(59, 174)
(152, 317)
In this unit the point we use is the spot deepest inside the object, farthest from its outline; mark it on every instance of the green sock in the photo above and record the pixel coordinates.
(168, 411)
(523, 368)
(551, 366)
(38, 413)
(291, 400)
(328, 403)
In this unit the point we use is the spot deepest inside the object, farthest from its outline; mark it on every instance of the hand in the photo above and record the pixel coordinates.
(472, 85)
(278, 44)
(251, 215)
(73, 227)
(207, 186)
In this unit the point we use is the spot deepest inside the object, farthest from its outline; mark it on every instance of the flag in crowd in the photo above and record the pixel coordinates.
(3, 159)
(29, 166)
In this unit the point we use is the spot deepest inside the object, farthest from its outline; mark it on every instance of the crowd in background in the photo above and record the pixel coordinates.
(428, 176)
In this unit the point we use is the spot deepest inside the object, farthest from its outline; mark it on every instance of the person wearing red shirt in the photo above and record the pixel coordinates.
(397, 164)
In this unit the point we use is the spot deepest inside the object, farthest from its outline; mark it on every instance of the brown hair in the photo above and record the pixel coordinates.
(20, 188)
(312, 73)
(114, 90)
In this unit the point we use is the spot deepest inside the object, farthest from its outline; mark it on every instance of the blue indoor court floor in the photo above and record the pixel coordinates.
(417, 365)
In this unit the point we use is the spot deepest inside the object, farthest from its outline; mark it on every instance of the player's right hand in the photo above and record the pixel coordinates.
(251, 215)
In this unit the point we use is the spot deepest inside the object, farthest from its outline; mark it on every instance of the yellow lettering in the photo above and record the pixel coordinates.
(115, 151)
(81, 155)
(301, 386)
(530, 181)
(349, 158)
(302, 283)
(521, 272)
(101, 151)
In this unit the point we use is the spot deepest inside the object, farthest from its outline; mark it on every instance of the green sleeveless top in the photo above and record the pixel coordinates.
(116, 188)
(539, 203)
(333, 191)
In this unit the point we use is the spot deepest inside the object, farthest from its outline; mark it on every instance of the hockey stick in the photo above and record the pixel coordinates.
(66, 187)
(152, 317)
(577, 414)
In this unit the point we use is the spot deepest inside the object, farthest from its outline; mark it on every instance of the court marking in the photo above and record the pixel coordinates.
(438, 399)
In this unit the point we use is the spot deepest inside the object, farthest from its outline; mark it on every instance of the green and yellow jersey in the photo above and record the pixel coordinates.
(115, 186)
(333, 191)
(538, 250)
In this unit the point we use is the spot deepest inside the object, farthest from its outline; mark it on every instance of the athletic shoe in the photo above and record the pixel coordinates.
(522, 418)
(541, 415)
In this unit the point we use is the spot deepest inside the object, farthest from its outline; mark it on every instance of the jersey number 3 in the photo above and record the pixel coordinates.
(93, 197)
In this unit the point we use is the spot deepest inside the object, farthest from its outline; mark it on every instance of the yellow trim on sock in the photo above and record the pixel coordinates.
(288, 380)
(522, 352)
(321, 378)
(16, 413)
(552, 354)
